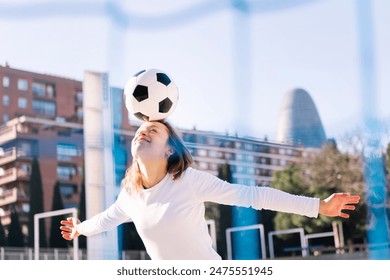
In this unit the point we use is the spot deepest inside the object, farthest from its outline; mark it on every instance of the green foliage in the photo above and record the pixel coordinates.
(36, 205)
(15, 234)
(291, 180)
(56, 240)
(221, 214)
(320, 174)
(3, 240)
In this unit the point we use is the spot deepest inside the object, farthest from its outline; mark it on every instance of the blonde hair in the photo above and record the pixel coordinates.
(178, 162)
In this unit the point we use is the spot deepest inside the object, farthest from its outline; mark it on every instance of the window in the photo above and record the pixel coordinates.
(202, 139)
(25, 149)
(250, 158)
(38, 89)
(248, 146)
(67, 190)
(66, 151)
(22, 84)
(5, 118)
(43, 89)
(79, 113)
(50, 90)
(26, 207)
(22, 102)
(228, 156)
(66, 172)
(189, 138)
(5, 100)
(202, 153)
(25, 168)
(79, 97)
(240, 169)
(212, 153)
(5, 81)
(212, 141)
(44, 107)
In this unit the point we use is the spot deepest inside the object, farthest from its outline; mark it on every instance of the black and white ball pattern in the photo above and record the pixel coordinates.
(151, 95)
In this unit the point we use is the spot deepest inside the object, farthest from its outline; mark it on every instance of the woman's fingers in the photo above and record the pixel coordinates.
(349, 207)
(67, 228)
(66, 223)
(353, 199)
(66, 236)
(344, 215)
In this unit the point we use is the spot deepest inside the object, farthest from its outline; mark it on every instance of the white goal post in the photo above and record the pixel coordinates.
(72, 211)
(287, 231)
(229, 231)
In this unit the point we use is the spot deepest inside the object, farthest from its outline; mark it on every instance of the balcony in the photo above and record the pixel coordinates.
(8, 196)
(7, 133)
(8, 176)
(12, 174)
(5, 217)
(7, 156)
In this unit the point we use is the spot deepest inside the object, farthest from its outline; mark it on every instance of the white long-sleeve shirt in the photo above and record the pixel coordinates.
(169, 217)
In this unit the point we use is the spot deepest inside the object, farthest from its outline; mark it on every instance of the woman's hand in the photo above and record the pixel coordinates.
(336, 203)
(68, 228)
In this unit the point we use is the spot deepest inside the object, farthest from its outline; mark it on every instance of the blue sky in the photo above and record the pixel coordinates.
(232, 68)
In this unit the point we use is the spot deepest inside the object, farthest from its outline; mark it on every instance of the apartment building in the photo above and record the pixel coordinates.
(41, 116)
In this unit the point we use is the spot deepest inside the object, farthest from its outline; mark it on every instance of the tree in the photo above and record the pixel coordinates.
(291, 181)
(319, 175)
(56, 240)
(3, 240)
(15, 234)
(36, 205)
(221, 214)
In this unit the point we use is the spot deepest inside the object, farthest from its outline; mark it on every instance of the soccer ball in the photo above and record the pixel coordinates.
(151, 95)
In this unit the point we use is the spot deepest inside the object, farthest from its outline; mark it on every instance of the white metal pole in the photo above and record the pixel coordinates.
(72, 211)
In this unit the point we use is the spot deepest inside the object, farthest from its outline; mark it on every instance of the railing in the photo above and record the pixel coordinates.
(27, 253)
(353, 251)
(9, 175)
(7, 133)
(8, 196)
(12, 174)
(347, 252)
(8, 156)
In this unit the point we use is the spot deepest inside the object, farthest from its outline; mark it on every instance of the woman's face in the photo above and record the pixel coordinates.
(151, 142)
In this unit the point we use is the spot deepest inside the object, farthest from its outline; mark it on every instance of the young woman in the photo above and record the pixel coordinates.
(164, 197)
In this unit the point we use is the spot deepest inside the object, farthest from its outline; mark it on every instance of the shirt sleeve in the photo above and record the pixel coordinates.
(208, 187)
(106, 220)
